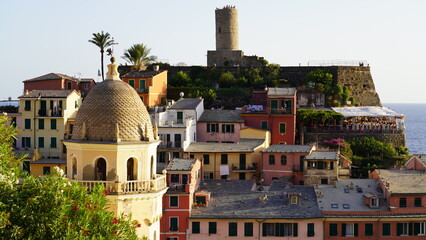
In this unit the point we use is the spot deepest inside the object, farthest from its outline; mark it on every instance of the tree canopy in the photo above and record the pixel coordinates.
(102, 40)
(138, 55)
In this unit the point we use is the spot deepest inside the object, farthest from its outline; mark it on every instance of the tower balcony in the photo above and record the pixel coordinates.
(129, 187)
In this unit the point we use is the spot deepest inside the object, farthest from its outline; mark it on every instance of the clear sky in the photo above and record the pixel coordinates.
(39, 37)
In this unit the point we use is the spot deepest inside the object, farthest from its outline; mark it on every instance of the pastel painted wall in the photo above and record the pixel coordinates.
(37, 169)
(277, 170)
(255, 121)
(223, 226)
(204, 136)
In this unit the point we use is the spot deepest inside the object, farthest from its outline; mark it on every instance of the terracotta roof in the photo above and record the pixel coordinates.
(51, 76)
(142, 74)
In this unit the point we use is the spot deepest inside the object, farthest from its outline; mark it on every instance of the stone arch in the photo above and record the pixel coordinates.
(101, 169)
(132, 169)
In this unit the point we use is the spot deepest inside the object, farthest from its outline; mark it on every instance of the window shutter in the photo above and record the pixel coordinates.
(208, 127)
(232, 128)
(356, 229)
(343, 229)
(410, 229)
(416, 228)
(295, 229)
(399, 229)
(223, 128)
(264, 229)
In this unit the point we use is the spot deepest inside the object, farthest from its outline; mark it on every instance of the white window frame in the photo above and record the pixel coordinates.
(350, 230)
(374, 202)
(294, 199)
(422, 229)
(170, 202)
(405, 227)
(170, 224)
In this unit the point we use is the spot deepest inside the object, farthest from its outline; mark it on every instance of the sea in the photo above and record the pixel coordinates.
(415, 124)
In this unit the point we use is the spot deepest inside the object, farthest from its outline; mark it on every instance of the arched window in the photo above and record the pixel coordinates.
(131, 169)
(100, 169)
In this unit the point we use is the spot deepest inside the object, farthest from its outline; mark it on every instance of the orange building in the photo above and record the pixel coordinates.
(274, 110)
(150, 85)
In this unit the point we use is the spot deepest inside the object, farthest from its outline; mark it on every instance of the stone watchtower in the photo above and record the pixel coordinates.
(227, 29)
(227, 51)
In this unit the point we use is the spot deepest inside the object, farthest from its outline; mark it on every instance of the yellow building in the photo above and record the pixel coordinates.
(47, 116)
(114, 143)
(231, 161)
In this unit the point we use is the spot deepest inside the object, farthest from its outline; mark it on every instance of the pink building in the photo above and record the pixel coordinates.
(284, 162)
(416, 162)
(389, 206)
(183, 178)
(220, 126)
(237, 210)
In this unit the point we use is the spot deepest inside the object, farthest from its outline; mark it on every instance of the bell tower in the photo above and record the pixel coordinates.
(113, 143)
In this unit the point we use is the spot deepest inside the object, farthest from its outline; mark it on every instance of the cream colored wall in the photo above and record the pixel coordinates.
(116, 156)
(145, 208)
(37, 169)
(233, 158)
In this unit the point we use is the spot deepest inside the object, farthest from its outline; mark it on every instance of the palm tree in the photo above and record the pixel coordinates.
(138, 55)
(102, 40)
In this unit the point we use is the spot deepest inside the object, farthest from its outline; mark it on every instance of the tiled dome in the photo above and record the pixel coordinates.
(112, 111)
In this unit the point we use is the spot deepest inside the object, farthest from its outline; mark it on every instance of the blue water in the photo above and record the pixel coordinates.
(415, 124)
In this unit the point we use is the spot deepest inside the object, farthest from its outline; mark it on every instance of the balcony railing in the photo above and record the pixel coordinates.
(243, 168)
(142, 90)
(129, 187)
(281, 111)
(166, 145)
(171, 123)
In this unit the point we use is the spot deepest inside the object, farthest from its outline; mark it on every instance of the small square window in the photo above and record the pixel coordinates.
(333, 205)
(346, 206)
(346, 190)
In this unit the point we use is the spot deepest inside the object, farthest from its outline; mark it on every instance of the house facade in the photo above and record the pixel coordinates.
(183, 179)
(238, 210)
(58, 81)
(177, 128)
(220, 126)
(233, 161)
(275, 110)
(281, 161)
(47, 117)
(151, 85)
